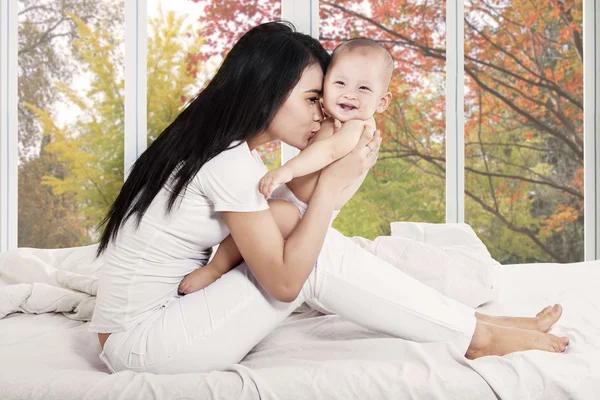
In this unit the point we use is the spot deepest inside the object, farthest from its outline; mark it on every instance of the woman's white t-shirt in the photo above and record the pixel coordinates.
(144, 266)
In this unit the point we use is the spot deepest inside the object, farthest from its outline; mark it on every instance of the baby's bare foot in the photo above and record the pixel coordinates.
(542, 322)
(495, 340)
(198, 279)
(191, 283)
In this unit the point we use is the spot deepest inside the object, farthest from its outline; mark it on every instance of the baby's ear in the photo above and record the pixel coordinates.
(384, 103)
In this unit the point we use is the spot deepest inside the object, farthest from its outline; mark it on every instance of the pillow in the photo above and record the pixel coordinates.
(447, 257)
(447, 235)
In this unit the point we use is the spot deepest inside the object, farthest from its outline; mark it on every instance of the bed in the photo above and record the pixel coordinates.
(47, 353)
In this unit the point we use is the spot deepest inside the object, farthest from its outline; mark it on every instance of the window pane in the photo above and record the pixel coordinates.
(524, 128)
(408, 182)
(70, 118)
(187, 41)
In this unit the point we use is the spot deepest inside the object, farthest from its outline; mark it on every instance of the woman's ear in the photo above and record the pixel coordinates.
(384, 103)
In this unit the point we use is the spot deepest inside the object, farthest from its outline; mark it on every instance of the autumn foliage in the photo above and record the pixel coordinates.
(523, 113)
(523, 104)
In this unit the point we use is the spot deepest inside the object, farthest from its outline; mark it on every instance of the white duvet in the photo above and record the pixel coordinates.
(309, 356)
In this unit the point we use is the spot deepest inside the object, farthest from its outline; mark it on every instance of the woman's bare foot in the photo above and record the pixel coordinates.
(542, 322)
(495, 340)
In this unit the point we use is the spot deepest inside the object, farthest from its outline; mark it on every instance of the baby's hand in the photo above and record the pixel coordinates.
(198, 279)
(273, 178)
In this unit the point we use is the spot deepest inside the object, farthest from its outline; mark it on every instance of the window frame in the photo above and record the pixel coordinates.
(305, 16)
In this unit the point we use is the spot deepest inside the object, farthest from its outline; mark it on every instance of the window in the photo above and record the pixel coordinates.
(527, 173)
(70, 106)
(186, 43)
(524, 128)
(408, 182)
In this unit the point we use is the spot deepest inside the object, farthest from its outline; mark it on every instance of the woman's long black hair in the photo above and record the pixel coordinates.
(254, 80)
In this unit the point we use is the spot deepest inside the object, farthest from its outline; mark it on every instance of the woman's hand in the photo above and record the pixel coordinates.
(353, 167)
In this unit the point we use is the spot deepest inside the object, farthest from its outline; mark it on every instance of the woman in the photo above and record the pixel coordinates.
(198, 182)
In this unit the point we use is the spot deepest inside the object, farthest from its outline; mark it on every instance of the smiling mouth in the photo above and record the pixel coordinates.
(347, 107)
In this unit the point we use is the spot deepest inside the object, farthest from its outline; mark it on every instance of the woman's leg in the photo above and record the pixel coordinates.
(217, 326)
(203, 331)
(361, 287)
(542, 322)
(389, 248)
(365, 289)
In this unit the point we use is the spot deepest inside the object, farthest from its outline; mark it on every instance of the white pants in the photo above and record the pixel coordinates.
(213, 328)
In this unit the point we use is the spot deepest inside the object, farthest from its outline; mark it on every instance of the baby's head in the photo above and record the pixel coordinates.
(357, 80)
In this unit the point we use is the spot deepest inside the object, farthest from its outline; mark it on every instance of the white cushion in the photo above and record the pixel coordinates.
(447, 235)
(447, 257)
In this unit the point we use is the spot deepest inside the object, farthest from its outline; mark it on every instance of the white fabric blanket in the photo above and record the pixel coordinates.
(309, 356)
(37, 281)
(49, 356)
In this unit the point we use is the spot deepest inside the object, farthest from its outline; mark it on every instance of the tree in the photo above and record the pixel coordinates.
(523, 99)
(50, 220)
(91, 147)
(45, 36)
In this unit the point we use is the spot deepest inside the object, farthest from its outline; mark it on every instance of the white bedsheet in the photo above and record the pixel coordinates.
(523, 291)
(311, 356)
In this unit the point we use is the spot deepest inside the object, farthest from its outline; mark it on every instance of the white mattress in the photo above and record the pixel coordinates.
(311, 356)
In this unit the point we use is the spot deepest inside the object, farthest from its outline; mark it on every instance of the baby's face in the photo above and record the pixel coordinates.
(354, 86)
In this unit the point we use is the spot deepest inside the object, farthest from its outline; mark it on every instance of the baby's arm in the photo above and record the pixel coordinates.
(315, 157)
(228, 256)
(304, 186)
(323, 152)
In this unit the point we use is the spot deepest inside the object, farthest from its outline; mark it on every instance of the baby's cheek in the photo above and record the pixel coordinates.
(332, 111)
(366, 114)
(328, 102)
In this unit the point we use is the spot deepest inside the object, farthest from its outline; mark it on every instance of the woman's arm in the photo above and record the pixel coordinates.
(281, 267)
(304, 186)
(228, 255)
(286, 217)
(277, 265)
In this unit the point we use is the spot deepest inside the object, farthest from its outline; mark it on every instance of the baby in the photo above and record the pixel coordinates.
(354, 89)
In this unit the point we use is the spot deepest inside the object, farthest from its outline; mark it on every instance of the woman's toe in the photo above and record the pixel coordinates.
(544, 311)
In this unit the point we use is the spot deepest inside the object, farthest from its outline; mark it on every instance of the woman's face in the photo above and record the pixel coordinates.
(299, 118)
